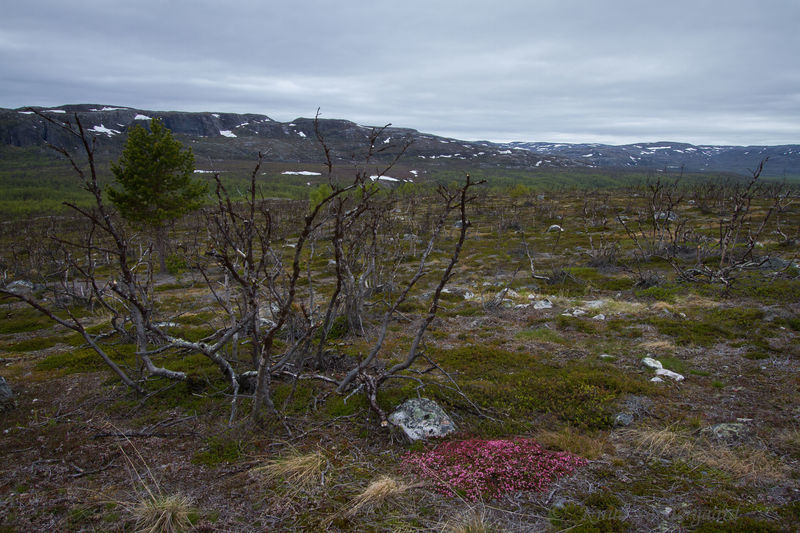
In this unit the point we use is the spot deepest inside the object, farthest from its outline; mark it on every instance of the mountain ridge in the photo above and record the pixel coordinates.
(243, 135)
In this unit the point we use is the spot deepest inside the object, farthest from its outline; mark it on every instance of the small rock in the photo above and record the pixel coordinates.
(726, 430)
(578, 312)
(543, 304)
(421, 418)
(594, 304)
(623, 419)
(521, 306)
(20, 286)
(554, 227)
(637, 405)
(656, 379)
(606, 356)
(649, 362)
(669, 374)
(599, 317)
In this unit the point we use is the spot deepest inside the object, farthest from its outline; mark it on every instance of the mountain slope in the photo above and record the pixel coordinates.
(241, 136)
(783, 160)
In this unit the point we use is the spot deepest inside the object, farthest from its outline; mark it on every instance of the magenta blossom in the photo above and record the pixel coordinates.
(478, 468)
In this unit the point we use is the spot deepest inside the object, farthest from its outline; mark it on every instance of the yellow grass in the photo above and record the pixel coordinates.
(471, 522)
(298, 470)
(158, 513)
(567, 439)
(742, 462)
(376, 493)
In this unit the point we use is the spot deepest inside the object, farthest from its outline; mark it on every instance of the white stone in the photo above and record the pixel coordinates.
(599, 317)
(656, 379)
(543, 304)
(669, 374)
(649, 362)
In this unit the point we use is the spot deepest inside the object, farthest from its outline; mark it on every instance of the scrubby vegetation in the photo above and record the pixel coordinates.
(530, 336)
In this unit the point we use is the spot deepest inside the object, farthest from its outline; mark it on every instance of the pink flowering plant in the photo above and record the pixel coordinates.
(484, 469)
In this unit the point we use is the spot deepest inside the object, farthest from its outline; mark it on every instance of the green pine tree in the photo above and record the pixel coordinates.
(156, 184)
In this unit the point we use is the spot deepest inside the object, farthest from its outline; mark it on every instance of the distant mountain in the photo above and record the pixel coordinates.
(242, 136)
(783, 160)
(235, 136)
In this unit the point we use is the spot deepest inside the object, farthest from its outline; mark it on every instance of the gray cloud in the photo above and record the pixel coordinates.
(615, 71)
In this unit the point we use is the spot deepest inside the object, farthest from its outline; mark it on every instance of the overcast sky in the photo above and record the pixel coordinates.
(612, 71)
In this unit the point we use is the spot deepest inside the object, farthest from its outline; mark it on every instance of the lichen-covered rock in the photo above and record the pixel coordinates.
(726, 431)
(20, 286)
(543, 304)
(421, 418)
(623, 419)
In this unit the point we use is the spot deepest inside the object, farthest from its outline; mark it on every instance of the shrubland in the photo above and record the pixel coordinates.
(250, 384)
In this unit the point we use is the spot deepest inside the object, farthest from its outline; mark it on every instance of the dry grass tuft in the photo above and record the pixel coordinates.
(472, 522)
(658, 346)
(299, 470)
(661, 307)
(569, 440)
(664, 442)
(620, 306)
(376, 493)
(788, 440)
(743, 462)
(157, 513)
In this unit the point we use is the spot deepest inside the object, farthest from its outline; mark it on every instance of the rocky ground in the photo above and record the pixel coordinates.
(678, 402)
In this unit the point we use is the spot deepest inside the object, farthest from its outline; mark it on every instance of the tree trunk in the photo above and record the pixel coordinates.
(161, 248)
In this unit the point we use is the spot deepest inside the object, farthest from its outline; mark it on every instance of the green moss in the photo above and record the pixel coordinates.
(664, 293)
(674, 364)
(603, 500)
(85, 360)
(744, 524)
(31, 345)
(540, 334)
(219, 450)
(575, 518)
(588, 326)
(21, 320)
(336, 405)
(792, 323)
(687, 332)
(196, 319)
(517, 385)
(339, 328)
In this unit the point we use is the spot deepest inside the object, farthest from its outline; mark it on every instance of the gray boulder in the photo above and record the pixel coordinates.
(421, 418)
(543, 304)
(20, 286)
